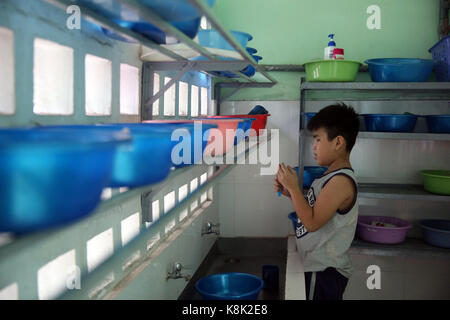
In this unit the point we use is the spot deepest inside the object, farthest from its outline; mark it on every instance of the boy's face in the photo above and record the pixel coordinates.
(324, 150)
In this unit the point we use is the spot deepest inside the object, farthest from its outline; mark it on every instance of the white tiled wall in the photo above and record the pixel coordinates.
(248, 205)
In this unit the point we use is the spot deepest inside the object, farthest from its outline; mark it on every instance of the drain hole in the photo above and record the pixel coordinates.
(232, 260)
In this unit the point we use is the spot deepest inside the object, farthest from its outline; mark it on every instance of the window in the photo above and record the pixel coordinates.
(155, 91)
(169, 201)
(169, 99)
(183, 98)
(194, 101)
(204, 101)
(129, 228)
(99, 248)
(54, 276)
(129, 89)
(7, 91)
(98, 82)
(52, 78)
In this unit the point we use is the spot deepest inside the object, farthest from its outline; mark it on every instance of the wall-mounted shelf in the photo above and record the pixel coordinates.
(382, 91)
(409, 248)
(395, 192)
(397, 135)
(151, 17)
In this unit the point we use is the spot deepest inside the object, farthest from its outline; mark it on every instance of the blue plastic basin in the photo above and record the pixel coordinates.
(251, 50)
(213, 39)
(400, 69)
(438, 123)
(230, 286)
(436, 232)
(245, 125)
(51, 177)
(179, 13)
(390, 122)
(293, 217)
(192, 135)
(249, 70)
(310, 173)
(146, 161)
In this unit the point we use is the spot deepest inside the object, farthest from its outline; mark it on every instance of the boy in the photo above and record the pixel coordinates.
(327, 217)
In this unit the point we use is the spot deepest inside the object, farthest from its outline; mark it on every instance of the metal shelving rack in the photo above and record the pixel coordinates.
(411, 247)
(176, 61)
(182, 65)
(368, 190)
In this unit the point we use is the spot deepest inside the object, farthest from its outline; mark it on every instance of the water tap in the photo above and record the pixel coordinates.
(208, 228)
(175, 272)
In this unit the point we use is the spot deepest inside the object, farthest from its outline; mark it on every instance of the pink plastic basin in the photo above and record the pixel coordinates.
(213, 148)
(382, 234)
(221, 140)
(258, 124)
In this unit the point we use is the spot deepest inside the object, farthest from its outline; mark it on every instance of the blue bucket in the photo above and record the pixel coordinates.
(230, 286)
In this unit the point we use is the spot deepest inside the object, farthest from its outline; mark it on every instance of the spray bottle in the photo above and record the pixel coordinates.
(328, 53)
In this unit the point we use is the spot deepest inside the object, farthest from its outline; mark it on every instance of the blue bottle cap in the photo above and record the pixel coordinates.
(331, 43)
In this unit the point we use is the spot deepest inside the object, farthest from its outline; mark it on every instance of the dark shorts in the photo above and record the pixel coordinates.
(330, 284)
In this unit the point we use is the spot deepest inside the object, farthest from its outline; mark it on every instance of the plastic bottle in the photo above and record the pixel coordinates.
(328, 53)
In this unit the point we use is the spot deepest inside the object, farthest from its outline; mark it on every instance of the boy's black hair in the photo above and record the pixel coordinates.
(338, 120)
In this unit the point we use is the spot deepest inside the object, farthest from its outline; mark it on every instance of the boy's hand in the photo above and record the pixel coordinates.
(277, 187)
(287, 177)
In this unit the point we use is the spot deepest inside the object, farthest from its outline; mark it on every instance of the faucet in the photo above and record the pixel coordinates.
(208, 228)
(175, 272)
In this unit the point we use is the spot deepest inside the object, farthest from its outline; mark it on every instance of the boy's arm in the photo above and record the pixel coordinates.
(333, 195)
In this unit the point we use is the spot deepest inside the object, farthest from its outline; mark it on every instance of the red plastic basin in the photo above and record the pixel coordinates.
(226, 132)
(258, 124)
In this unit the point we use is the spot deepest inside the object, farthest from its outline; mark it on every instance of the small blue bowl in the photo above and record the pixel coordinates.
(400, 69)
(438, 123)
(251, 50)
(436, 232)
(213, 39)
(230, 286)
(293, 217)
(52, 177)
(390, 122)
(308, 116)
(310, 173)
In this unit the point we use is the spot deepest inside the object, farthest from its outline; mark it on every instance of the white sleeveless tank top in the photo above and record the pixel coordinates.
(328, 246)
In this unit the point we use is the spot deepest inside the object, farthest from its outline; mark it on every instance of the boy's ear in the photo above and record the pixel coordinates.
(340, 142)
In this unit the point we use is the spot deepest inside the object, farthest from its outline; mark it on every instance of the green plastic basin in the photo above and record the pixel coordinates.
(331, 70)
(436, 181)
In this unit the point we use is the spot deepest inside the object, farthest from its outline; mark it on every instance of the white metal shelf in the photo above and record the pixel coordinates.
(396, 192)
(409, 248)
(397, 135)
(384, 86)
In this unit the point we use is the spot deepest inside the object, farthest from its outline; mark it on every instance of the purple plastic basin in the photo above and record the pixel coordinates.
(382, 234)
